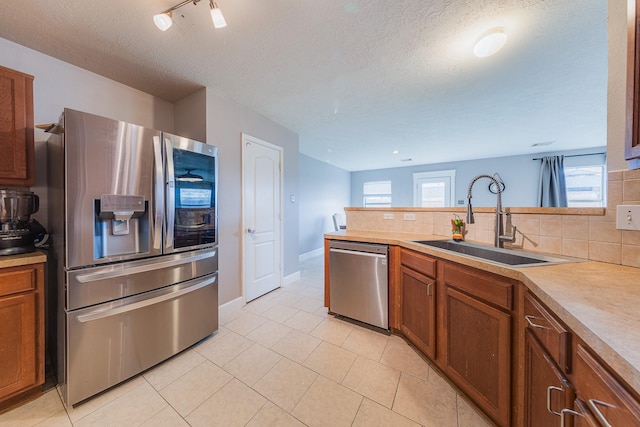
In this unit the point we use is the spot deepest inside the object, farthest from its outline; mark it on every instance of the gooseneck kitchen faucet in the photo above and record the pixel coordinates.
(499, 237)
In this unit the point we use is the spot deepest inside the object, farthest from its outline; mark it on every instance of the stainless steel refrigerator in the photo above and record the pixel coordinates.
(133, 220)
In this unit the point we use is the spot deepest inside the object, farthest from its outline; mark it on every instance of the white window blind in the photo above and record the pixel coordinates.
(376, 194)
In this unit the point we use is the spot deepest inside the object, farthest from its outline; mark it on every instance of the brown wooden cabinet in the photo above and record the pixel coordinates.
(417, 300)
(600, 395)
(632, 131)
(475, 337)
(547, 391)
(17, 162)
(547, 344)
(22, 331)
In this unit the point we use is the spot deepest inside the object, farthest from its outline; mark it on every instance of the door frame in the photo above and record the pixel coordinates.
(248, 138)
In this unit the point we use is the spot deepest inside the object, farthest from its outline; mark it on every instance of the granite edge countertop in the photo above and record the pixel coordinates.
(22, 259)
(598, 301)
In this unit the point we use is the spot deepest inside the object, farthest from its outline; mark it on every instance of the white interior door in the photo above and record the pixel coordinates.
(262, 216)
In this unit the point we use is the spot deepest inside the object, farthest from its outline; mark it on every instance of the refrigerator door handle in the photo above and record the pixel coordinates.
(171, 194)
(92, 277)
(158, 215)
(100, 314)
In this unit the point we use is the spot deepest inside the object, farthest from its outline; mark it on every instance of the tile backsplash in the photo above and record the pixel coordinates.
(593, 237)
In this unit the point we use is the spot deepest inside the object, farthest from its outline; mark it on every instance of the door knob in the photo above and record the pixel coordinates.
(251, 231)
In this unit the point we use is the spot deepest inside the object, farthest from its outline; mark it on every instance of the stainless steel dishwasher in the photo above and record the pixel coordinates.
(358, 281)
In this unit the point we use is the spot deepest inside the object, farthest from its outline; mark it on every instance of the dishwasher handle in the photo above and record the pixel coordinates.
(357, 253)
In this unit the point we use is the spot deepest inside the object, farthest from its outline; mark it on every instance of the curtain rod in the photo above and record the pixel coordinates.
(577, 155)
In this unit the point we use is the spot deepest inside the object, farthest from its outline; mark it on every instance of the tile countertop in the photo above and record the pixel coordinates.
(22, 259)
(598, 301)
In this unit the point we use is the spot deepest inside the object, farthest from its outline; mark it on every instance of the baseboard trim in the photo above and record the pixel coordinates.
(230, 307)
(314, 253)
(291, 278)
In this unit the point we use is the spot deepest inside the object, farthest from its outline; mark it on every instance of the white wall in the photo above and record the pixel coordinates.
(226, 121)
(57, 85)
(324, 190)
(190, 116)
(519, 173)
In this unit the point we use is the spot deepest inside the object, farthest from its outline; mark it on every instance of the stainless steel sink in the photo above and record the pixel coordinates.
(502, 256)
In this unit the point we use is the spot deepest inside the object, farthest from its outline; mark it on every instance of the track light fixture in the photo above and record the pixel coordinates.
(216, 15)
(164, 20)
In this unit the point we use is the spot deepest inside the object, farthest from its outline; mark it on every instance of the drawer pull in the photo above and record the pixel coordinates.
(532, 324)
(549, 390)
(565, 412)
(593, 403)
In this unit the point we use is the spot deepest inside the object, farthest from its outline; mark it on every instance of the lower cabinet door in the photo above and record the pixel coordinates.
(18, 358)
(547, 391)
(477, 352)
(605, 397)
(418, 321)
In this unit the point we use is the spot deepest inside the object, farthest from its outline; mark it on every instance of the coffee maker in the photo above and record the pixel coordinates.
(18, 231)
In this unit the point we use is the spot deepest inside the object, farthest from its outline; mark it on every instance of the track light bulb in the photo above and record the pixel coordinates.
(216, 15)
(163, 21)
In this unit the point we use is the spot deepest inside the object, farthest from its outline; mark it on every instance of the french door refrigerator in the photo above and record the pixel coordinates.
(133, 217)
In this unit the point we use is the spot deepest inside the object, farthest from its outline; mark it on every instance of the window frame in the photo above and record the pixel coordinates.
(600, 203)
(449, 174)
(366, 195)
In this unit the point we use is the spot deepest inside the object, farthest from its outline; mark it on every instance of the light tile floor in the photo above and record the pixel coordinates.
(279, 361)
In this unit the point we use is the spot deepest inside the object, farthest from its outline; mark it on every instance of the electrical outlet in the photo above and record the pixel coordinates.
(388, 216)
(628, 217)
(409, 217)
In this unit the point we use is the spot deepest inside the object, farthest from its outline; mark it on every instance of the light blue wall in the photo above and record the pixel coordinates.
(323, 190)
(520, 174)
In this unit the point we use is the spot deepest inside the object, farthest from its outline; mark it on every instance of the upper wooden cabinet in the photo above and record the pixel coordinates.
(17, 162)
(632, 135)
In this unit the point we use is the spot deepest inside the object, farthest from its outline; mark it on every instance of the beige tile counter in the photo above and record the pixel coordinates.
(600, 302)
(22, 259)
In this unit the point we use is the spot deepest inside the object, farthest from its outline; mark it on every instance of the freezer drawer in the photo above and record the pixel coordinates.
(96, 285)
(359, 282)
(111, 342)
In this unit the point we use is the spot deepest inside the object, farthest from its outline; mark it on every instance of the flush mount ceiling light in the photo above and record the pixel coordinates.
(490, 43)
(164, 19)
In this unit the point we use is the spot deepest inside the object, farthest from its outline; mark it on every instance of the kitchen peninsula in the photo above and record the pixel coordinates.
(584, 320)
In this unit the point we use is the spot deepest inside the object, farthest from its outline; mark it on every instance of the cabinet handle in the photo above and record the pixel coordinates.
(534, 325)
(429, 291)
(593, 403)
(549, 390)
(566, 411)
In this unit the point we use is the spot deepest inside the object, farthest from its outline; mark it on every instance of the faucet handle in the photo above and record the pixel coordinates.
(509, 238)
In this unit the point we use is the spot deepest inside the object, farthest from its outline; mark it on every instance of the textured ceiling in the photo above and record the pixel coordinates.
(356, 79)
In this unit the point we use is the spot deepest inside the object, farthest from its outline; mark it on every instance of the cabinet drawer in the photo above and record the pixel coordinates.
(555, 338)
(607, 399)
(488, 287)
(418, 262)
(17, 279)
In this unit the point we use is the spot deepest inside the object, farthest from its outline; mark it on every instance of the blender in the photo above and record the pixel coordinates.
(17, 230)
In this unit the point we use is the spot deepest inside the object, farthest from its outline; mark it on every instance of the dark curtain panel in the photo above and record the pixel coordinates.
(552, 190)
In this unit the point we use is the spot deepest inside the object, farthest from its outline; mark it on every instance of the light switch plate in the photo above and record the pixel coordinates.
(409, 217)
(388, 216)
(628, 217)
